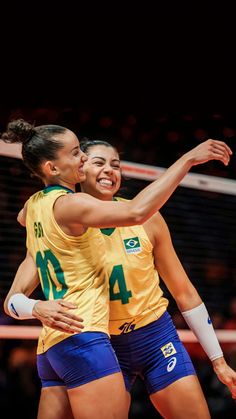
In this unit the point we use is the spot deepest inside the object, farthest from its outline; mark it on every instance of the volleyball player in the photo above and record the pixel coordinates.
(70, 257)
(142, 333)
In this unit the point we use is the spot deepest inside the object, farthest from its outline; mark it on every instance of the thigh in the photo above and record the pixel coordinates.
(105, 398)
(182, 399)
(83, 358)
(154, 352)
(54, 404)
(166, 365)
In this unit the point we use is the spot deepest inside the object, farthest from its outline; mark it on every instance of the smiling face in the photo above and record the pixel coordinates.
(103, 173)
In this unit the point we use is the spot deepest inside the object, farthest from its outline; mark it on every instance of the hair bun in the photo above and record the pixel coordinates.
(19, 131)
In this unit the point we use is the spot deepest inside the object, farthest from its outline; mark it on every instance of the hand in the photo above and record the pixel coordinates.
(226, 375)
(210, 150)
(57, 315)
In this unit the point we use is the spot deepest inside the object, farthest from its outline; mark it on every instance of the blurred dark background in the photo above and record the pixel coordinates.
(154, 82)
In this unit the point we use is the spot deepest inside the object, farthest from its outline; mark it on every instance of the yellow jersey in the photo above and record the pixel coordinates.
(72, 268)
(136, 298)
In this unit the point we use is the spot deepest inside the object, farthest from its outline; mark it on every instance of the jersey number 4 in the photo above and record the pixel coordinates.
(118, 289)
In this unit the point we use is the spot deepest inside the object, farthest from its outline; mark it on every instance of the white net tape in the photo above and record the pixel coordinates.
(32, 332)
(142, 172)
(146, 172)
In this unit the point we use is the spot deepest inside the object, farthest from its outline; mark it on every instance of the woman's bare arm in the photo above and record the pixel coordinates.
(88, 211)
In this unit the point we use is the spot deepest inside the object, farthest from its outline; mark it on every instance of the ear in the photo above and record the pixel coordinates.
(49, 169)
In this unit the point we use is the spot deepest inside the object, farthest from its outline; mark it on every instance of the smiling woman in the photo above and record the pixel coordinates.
(61, 243)
(102, 170)
(142, 332)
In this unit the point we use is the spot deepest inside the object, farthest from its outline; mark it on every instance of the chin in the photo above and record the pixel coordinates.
(82, 177)
(105, 194)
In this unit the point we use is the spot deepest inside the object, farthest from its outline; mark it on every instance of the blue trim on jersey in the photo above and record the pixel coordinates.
(77, 360)
(153, 352)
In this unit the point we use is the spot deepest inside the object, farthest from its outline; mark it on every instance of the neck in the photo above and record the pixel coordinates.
(97, 195)
(61, 183)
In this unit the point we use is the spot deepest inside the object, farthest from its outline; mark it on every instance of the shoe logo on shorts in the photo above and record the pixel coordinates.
(171, 364)
(209, 320)
(168, 350)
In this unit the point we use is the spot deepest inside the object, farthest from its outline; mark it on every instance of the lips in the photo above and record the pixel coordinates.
(81, 172)
(81, 169)
(105, 182)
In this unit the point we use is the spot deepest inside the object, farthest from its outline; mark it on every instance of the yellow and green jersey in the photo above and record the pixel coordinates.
(136, 298)
(72, 268)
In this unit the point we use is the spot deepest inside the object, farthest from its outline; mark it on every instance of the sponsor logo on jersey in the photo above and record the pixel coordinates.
(127, 327)
(132, 245)
(171, 364)
(168, 350)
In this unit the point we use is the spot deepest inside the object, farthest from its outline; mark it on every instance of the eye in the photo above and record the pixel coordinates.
(98, 163)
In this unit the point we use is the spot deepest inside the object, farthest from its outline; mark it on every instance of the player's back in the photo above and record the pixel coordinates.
(70, 267)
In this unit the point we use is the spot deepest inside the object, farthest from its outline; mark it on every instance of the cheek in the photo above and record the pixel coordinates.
(90, 179)
(118, 180)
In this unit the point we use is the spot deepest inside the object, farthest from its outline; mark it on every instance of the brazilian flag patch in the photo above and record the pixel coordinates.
(132, 245)
(168, 349)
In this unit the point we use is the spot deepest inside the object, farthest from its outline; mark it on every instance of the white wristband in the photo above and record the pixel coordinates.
(20, 307)
(200, 323)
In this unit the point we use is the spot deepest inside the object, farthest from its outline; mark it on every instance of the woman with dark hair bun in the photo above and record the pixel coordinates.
(69, 253)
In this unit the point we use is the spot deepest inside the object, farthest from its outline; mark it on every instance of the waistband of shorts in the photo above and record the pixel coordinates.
(163, 322)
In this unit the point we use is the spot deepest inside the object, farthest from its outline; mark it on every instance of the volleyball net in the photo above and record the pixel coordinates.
(200, 215)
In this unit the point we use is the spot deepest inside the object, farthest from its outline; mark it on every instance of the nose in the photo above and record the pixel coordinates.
(84, 157)
(108, 168)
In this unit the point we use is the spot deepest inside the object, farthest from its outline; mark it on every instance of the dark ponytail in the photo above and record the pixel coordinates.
(18, 131)
(38, 143)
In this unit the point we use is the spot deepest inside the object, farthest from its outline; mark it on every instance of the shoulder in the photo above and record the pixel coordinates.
(72, 205)
(155, 227)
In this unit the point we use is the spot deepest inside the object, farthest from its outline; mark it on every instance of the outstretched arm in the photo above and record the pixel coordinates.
(187, 298)
(91, 212)
(81, 209)
(55, 314)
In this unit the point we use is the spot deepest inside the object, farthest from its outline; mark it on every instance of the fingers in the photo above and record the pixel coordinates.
(228, 377)
(232, 390)
(55, 314)
(71, 316)
(70, 328)
(66, 304)
(224, 145)
(63, 324)
(220, 151)
(74, 321)
(67, 321)
(65, 328)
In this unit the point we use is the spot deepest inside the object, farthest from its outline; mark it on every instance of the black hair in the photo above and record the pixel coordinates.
(38, 143)
(86, 144)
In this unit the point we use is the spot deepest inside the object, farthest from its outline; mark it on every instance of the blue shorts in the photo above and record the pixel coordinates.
(77, 360)
(153, 352)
